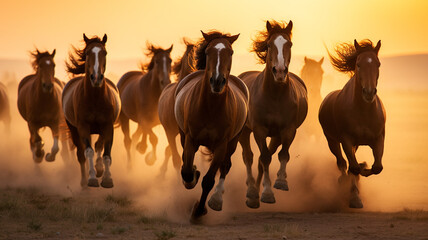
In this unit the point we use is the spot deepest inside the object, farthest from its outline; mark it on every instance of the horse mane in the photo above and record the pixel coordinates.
(260, 43)
(347, 55)
(190, 49)
(152, 50)
(77, 57)
(36, 56)
(201, 57)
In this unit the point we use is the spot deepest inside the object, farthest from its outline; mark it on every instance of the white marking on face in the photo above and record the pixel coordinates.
(219, 47)
(48, 62)
(369, 60)
(96, 50)
(279, 43)
(164, 65)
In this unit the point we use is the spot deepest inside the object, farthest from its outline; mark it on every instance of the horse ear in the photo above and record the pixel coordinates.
(170, 49)
(268, 26)
(356, 45)
(53, 53)
(104, 39)
(377, 47)
(37, 50)
(289, 26)
(233, 38)
(204, 35)
(85, 38)
(321, 60)
(306, 59)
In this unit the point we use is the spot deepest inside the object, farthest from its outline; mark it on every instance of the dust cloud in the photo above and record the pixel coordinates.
(312, 171)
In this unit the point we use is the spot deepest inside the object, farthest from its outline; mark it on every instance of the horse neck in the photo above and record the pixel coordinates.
(152, 84)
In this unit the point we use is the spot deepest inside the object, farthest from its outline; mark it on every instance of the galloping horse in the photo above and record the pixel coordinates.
(183, 67)
(91, 105)
(278, 106)
(39, 103)
(210, 109)
(312, 73)
(4, 108)
(140, 93)
(355, 115)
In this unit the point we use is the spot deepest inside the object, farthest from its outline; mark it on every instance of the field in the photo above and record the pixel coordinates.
(45, 201)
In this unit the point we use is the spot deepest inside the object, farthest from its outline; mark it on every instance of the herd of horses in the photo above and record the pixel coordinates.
(206, 106)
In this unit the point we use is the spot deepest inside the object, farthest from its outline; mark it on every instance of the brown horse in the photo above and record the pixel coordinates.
(139, 92)
(4, 108)
(39, 103)
(355, 115)
(278, 106)
(312, 73)
(210, 109)
(183, 67)
(91, 105)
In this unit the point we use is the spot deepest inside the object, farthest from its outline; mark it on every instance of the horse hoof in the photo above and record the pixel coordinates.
(40, 153)
(141, 148)
(150, 159)
(252, 192)
(197, 212)
(355, 202)
(215, 203)
(107, 183)
(253, 202)
(268, 198)
(50, 157)
(355, 170)
(38, 159)
(192, 184)
(99, 168)
(281, 184)
(93, 182)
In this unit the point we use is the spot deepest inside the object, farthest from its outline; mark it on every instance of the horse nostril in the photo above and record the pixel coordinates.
(92, 77)
(286, 70)
(211, 80)
(102, 76)
(274, 70)
(375, 91)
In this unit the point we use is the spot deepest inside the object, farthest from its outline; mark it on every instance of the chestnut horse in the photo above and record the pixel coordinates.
(355, 115)
(91, 105)
(140, 93)
(210, 109)
(311, 74)
(4, 108)
(183, 67)
(278, 106)
(39, 103)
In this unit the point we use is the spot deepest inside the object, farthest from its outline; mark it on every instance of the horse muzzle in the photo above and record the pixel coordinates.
(280, 74)
(217, 84)
(369, 94)
(97, 81)
(47, 87)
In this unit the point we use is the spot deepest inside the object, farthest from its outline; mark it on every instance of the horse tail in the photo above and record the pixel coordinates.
(207, 153)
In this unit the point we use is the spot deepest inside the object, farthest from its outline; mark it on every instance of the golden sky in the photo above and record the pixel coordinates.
(401, 25)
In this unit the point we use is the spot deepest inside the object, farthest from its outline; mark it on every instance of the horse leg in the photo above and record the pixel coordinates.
(377, 148)
(99, 162)
(176, 160)
(337, 152)
(107, 181)
(124, 123)
(189, 174)
(252, 190)
(265, 158)
(50, 157)
(275, 142)
(287, 138)
(80, 154)
(209, 180)
(36, 143)
(142, 145)
(355, 201)
(85, 138)
(151, 157)
(216, 200)
(350, 150)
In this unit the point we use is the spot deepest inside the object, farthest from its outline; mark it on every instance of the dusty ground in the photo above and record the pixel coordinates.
(31, 214)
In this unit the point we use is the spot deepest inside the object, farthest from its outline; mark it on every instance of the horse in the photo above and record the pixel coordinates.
(278, 106)
(181, 68)
(39, 103)
(91, 105)
(139, 93)
(354, 115)
(210, 110)
(5, 108)
(312, 73)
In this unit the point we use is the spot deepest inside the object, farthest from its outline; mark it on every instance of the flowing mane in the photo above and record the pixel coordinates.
(260, 43)
(36, 56)
(347, 55)
(189, 53)
(201, 57)
(76, 64)
(152, 50)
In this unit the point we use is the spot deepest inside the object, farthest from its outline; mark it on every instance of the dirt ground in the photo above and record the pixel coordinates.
(31, 214)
